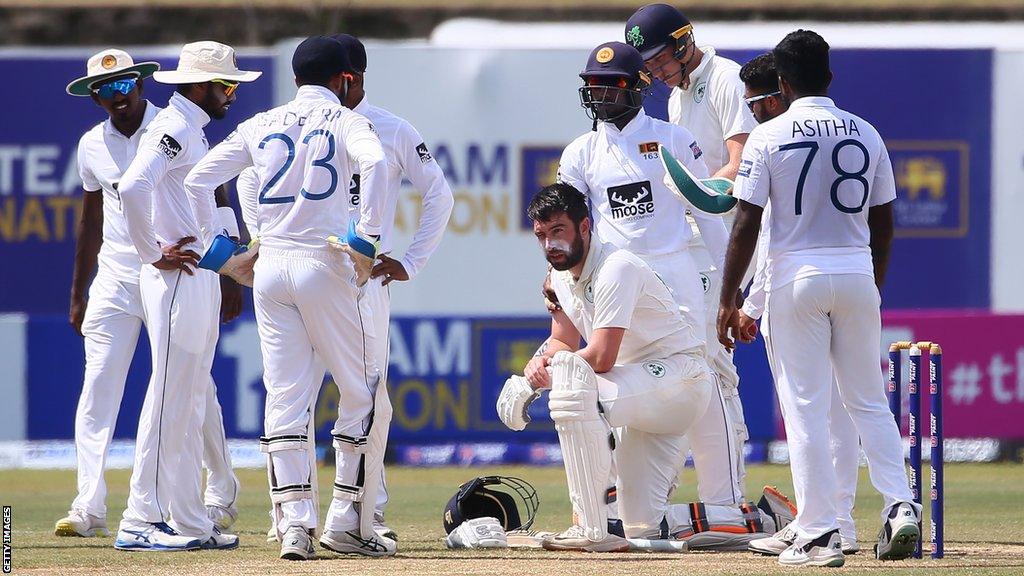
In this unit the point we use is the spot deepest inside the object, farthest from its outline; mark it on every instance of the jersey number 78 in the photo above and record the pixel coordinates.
(842, 174)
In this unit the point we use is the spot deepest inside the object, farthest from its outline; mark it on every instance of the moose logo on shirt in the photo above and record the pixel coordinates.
(631, 201)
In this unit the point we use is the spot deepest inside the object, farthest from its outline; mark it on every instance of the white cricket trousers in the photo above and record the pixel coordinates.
(182, 314)
(378, 298)
(712, 441)
(813, 327)
(113, 317)
(309, 316)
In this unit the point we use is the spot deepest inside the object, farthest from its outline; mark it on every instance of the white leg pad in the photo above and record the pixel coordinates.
(289, 478)
(584, 436)
(358, 479)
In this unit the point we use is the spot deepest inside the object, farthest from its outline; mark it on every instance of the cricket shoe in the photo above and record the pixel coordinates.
(775, 544)
(850, 545)
(154, 537)
(777, 506)
(297, 544)
(220, 541)
(575, 539)
(825, 550)
(718, 541)
(382, 529)
(81, 523)
(221, 517)
(350, 542)
(900, 531)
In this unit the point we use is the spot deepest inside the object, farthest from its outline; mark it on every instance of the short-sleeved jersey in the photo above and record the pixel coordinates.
(622, 175)
(304, 154)
(104, 154)
(408, 157)
(616, 289)
(152, 189)
(821, 168)
(712, 107)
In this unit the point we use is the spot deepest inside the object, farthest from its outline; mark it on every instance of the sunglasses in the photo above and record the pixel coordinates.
(755, 99)
(229, 86)
(107, 91)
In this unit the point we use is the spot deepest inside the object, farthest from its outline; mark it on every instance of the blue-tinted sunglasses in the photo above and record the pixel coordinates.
(124, 86)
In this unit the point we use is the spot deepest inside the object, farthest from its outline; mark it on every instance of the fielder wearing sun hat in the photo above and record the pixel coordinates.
(108, 64)
(203, 62)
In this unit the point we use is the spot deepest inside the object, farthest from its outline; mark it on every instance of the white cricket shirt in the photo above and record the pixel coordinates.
(622, 175)
(103, 156)
(156, 209)
(407, 155)
(712, 107)
(305, 153)
(616, 289)
(821, 168)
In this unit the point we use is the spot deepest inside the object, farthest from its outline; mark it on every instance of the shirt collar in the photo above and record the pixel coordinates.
(635, 124)
(363, 107)
(703, 68)
(147, 116)
(813, 101)
(314, 92)
(192, 113)
(597, 249)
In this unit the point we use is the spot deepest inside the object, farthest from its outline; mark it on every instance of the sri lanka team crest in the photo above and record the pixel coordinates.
(932, 196)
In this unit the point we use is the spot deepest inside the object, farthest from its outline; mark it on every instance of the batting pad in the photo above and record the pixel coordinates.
(583, 435)
(711, 195)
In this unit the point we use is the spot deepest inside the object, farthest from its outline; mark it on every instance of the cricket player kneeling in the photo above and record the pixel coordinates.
(642, 373)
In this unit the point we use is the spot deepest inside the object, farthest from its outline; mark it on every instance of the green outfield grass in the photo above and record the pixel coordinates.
(984, 530)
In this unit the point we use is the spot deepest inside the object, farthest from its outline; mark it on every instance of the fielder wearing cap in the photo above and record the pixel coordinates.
(707, 98)
(307, 296)
(181, 304)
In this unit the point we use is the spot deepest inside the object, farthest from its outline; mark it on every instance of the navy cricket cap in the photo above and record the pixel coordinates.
(356, 51)
(320, 57)
(613, 59)
(655, 26)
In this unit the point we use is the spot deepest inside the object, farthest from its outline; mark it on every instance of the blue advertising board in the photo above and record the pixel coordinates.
(444, 378)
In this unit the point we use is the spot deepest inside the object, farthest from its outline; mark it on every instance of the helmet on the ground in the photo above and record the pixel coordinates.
(495, 497)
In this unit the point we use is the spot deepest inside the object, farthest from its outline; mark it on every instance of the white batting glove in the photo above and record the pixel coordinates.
(514, 402)
(478, 533)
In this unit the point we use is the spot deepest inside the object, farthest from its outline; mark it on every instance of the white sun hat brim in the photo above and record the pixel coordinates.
(196, 77)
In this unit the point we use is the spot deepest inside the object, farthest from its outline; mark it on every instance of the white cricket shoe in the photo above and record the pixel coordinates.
(384, 531)
(154, 537)
(825, 550)
(349, 542)
(775, 544)
(575, 539)
(220, 541)
(850, 545)
(221, 517)
(297, 544)
(898, 536)
(81, 523)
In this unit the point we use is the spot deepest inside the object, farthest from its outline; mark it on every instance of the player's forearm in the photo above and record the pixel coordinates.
(729, 170)
(137, 204)
(742, 244)
(87, 249)
(551, 346)
(437, 209)
(881, 223)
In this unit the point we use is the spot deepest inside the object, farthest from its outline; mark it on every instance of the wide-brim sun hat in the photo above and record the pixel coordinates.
(109, 63)
(205, 61)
